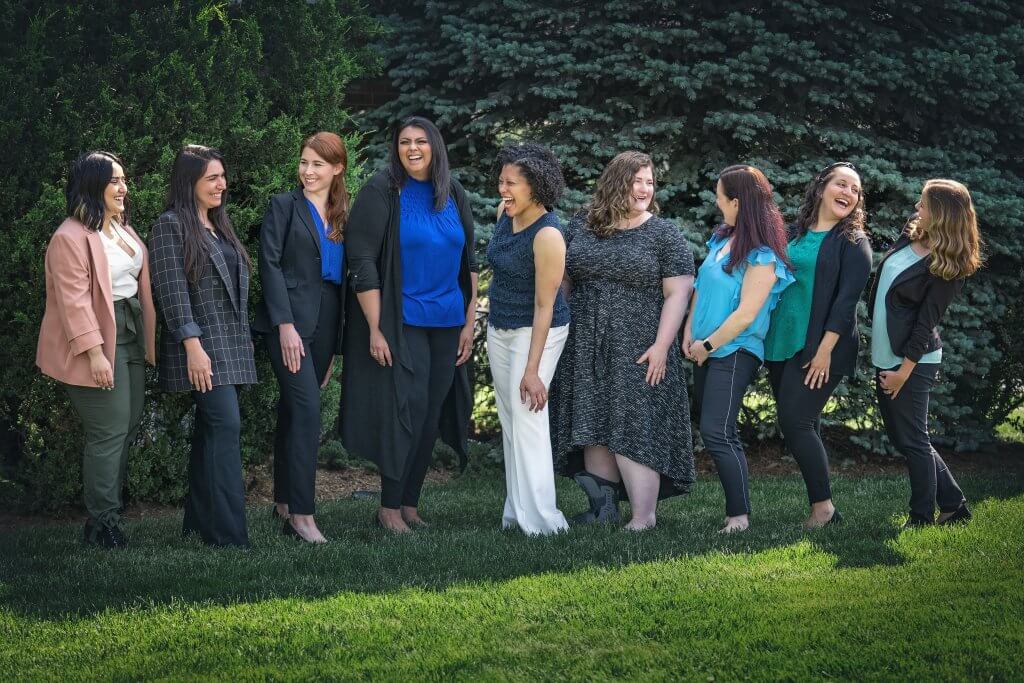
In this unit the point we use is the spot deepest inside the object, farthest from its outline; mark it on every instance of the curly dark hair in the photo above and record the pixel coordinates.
(539, 166)
(851, 227)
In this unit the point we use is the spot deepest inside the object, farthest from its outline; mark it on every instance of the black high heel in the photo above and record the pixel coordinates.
(836, 519)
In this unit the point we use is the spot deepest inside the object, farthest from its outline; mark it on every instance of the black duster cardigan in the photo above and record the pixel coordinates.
(840, 275)
(914, 305)
(375, 420)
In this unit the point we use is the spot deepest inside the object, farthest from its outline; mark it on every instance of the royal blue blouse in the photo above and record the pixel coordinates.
(332, 254)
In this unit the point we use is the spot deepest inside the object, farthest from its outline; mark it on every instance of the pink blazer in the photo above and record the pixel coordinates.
(80, 307)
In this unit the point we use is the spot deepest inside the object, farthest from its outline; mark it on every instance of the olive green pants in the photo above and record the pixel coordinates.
(111, 418)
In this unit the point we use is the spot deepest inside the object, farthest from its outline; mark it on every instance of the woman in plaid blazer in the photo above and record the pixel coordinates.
(201, 281)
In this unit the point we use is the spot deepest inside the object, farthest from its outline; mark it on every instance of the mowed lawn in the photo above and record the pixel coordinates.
(465, 600)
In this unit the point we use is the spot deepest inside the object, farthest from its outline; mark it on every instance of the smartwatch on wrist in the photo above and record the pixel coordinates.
(708, 347)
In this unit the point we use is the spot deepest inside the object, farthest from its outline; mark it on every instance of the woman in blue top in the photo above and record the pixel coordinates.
(302, 269)
(737, 287)
(409, 331)
(528, 326)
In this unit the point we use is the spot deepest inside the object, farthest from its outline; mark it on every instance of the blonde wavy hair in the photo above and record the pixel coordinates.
(951, 230)
(613, 196)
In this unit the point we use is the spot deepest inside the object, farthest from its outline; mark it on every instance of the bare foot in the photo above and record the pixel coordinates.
(282, 510)
(392, 521)
(411, 517)
(735, 524)
(640, 524)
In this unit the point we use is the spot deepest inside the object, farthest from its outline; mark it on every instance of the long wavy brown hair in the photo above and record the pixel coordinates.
(951, 230)
(331, 148)
(850, 227)
(612, 198)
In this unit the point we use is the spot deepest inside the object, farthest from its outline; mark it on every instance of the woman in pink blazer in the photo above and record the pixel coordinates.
(99, 330)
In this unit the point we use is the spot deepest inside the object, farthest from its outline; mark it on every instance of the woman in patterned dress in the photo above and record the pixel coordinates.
(620, 413)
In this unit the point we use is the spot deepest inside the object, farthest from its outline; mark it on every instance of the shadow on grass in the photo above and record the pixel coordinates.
(46, 573)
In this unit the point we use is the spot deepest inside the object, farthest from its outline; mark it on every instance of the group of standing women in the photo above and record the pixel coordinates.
(584, 322)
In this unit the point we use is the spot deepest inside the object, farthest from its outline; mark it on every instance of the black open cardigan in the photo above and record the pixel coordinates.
(375, 420)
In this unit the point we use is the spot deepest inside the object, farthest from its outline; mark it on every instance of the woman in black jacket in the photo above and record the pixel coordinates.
(409, 330)
(917, 279)
(302, 268)
(201, 282)
(813, 338)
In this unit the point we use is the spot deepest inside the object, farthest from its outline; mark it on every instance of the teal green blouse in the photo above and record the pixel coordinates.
(788, 331)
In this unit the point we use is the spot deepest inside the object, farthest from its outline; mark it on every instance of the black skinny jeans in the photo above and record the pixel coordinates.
(906, 423)
(799, 408)
(719, 388)
(432, 352)
(297, 437)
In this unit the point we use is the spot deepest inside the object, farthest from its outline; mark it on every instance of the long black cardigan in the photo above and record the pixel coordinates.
(914, 305)
(375, 420)
(840, 275)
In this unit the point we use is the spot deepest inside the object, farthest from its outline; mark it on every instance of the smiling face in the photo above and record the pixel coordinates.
(414, 152)
(211, 186)
(515, 191)
(923, 214)
(316, 173)
(642, 191)
(730, 208)
(115, 192)
(840, 195)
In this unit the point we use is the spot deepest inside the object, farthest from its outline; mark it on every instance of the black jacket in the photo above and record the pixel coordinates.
(375, 419)
(211, 309)
(840, 275)
(914, 305)
(290, 268)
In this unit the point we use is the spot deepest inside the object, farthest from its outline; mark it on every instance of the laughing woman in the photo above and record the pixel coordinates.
(619, 408)
(528, 326)
(917, 280)
(409, 331)
(302, 268)
(737, 287)
(98, 330)
(201, 279)
(813, 339)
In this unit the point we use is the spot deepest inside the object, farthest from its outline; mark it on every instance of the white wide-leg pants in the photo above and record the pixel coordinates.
(529, 473)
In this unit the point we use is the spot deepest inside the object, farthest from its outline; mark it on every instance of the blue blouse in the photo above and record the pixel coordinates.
(719, 297)
(332, 254)
(431, 245)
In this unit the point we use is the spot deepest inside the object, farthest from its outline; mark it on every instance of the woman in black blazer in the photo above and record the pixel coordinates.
(409, 328)
(302, 267)
(917, 280)
(201, 283)
(813, 338)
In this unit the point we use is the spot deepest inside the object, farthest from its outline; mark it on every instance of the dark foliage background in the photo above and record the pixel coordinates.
(906, 90)
(141, 79)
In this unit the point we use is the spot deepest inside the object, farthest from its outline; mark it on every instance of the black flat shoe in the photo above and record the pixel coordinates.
(110, 537)
(961, 516)
(836, 519)
(915, 522)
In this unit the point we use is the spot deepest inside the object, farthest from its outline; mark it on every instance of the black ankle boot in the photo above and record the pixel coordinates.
(604, 500)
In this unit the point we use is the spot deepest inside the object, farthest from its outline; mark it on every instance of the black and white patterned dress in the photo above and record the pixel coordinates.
(598, 395)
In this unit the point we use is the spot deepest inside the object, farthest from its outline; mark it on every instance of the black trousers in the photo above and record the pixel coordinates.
(297, 437)
(799, 408)
(432, 351)
(719, 388)
(906, 423)
(215, 504)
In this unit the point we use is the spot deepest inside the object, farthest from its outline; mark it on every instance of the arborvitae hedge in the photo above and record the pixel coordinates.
(906, 90)
(141, 79)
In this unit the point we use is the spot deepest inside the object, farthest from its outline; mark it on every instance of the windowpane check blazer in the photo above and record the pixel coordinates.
(209, 309)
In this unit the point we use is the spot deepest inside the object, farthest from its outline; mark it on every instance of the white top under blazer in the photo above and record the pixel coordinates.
(124, 269)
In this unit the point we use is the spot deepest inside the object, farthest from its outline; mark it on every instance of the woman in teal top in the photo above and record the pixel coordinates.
(812, 342)
(737, 287)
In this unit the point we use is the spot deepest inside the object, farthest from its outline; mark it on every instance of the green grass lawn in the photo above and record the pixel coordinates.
(466, 600)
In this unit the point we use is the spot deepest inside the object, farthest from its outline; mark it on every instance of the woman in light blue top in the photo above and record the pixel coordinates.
(737, 287)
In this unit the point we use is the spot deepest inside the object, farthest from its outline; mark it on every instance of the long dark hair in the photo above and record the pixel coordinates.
(850, 227)
(440, 174)
(189, 166)
(87, 182)
(331, 148)
(759, 222)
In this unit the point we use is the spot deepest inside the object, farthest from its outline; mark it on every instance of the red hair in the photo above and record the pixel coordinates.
(331, 148)
(759, 222)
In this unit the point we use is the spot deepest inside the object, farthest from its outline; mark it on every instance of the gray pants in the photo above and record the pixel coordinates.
(111, 419)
